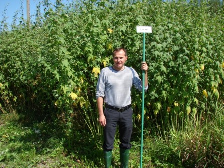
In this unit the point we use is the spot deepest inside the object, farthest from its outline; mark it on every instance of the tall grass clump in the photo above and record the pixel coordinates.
(198, 144)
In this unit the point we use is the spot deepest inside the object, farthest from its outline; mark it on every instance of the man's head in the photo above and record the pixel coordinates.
(119, 58)
(119, 49)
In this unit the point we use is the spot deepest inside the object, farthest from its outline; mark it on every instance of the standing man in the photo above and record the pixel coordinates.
(114, 90)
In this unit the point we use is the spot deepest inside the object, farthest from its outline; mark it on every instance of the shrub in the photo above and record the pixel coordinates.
(49, 69)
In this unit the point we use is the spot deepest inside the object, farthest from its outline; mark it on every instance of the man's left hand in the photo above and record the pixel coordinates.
(144, 66)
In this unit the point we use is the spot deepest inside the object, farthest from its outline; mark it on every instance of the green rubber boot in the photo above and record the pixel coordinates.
(108, 157)
(124, 157)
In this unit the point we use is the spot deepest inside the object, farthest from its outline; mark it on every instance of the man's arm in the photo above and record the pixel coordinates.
(102, 118)
(146, 78)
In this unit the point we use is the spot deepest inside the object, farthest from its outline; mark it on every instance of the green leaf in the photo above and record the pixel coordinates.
(65, 63)
(159, 79)
(163, 68)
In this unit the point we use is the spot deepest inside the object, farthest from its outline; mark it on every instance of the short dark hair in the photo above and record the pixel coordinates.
(119, 49)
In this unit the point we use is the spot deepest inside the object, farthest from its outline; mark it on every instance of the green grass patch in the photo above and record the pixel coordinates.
(31, 146)
(41, 145)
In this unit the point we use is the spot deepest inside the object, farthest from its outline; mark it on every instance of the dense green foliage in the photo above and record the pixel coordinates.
(49, 69)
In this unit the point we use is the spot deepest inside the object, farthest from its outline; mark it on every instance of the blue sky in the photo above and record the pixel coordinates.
(8, 8)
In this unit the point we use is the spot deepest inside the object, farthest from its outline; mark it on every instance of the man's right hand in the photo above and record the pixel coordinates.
(102, 120)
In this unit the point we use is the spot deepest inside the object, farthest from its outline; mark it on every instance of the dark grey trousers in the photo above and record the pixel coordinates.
(124, 121)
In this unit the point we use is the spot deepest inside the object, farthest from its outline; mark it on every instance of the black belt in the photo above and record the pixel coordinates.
(117, 108)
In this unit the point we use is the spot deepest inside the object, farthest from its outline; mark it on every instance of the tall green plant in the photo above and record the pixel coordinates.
(49, 71)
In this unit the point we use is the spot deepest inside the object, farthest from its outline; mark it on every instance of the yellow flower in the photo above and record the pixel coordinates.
(73, 96)
(138, 117)
(205, 93)
(104, 63)
(223, 64)
(202, 67)
(176, 104)
(1, 84)
(81, 81)
(5, 136)
(110, 30)
(96, 71)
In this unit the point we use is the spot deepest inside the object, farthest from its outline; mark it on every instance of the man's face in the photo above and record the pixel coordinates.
(119, 60)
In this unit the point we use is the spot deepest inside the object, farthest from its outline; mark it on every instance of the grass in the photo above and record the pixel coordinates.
(41, 145)
(31, 146)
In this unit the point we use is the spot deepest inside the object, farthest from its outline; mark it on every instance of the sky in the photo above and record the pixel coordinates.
(8, 8)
